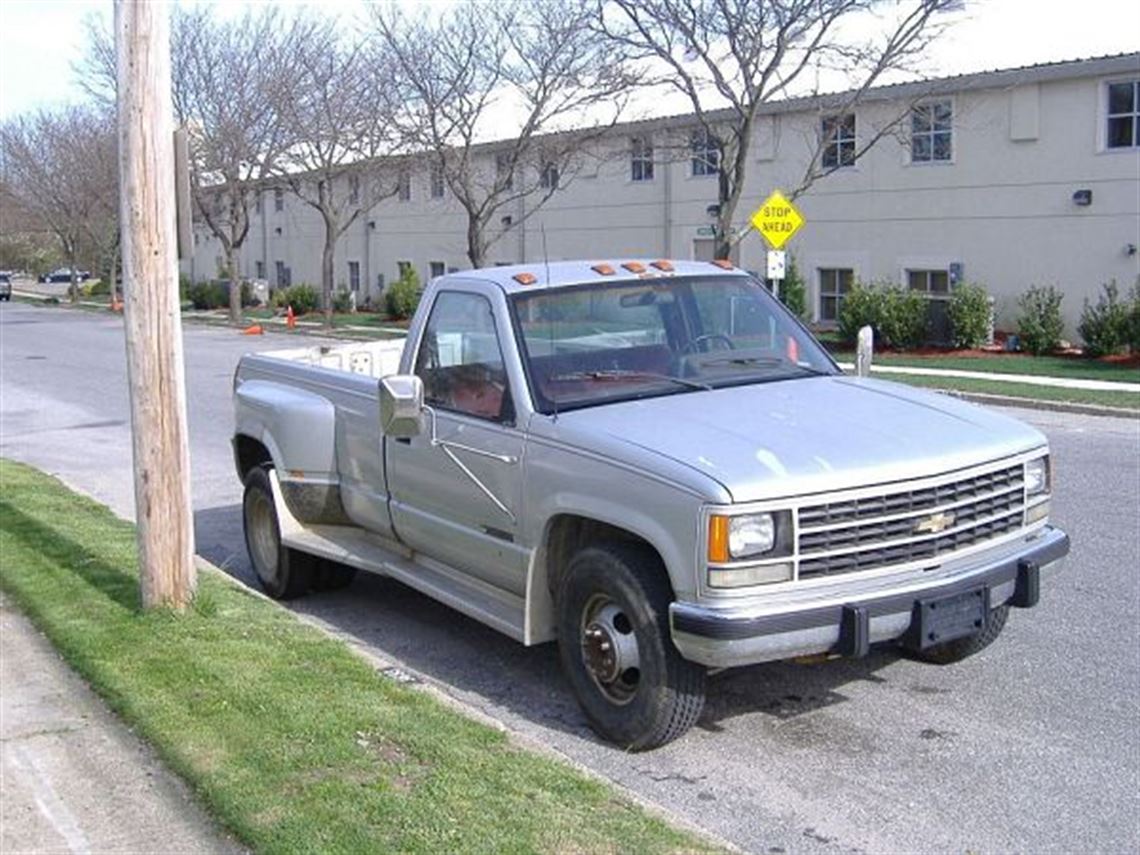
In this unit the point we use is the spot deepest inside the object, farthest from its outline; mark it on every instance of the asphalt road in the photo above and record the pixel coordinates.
(1031, 746)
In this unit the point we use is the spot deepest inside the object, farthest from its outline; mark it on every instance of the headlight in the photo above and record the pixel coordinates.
(754, 534)
(1037, 476)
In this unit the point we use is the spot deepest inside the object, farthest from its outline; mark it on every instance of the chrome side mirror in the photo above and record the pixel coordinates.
(402, 406)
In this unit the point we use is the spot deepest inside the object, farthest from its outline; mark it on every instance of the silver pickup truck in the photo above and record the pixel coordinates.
(652, 463)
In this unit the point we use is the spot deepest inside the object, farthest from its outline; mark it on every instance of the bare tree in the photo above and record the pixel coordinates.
(48, 160)
(339, 108)
(731, 57)
(228, 79)
(519, 73)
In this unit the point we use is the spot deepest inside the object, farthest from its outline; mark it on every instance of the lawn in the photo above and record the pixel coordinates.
(293, 742)
(1119, 400)
(1073, 367)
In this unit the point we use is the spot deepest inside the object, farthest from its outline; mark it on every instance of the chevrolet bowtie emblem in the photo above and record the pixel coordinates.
(935, 523)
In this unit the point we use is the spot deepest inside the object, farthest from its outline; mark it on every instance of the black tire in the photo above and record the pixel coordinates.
(621, 591)
(961, 648)
(331, 576)
(283, 572)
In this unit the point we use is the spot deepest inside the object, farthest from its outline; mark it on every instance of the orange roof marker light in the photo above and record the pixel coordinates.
(666, 266)
(634, 266)
(603, 269)
(723, 264)
(525, 278)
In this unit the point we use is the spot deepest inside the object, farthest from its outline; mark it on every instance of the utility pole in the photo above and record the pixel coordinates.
(151, 308)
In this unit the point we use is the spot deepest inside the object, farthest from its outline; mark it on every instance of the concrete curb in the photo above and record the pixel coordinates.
(1038, 404)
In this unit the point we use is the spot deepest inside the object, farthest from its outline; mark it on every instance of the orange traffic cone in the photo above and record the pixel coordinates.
(254, 329)
(290, 318)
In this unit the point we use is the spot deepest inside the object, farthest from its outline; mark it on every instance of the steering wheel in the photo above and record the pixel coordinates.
(695, 343)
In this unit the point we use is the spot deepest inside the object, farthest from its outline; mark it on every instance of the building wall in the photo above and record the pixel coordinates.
(1002, 209)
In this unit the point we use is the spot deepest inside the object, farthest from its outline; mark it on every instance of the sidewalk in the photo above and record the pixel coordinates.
(1026, 379)
(73, 778)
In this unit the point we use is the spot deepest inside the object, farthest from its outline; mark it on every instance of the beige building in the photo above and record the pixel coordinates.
(1008, 178)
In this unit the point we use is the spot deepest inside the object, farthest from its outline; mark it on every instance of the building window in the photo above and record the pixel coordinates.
(354, 276)
(1124, 114)
(281, 279)
(641, 159)
(353, 189)
(838, 141)
(504, 175)
(932, 283)
(930, 132)
(404, 186)
(834, 283)
(403, 267)
(257, 201)
(706, 153)
(548, 178)
(278, 199)
(260, 267)
(437, 268)
(437, 181)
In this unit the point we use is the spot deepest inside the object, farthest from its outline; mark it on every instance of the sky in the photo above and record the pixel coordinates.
(41, 39)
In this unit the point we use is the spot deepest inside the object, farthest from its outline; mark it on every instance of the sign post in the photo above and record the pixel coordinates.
(777, 220)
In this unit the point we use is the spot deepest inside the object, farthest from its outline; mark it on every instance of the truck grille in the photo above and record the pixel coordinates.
(909, 525)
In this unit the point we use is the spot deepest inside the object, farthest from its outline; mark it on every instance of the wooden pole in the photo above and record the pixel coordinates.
(152, 313)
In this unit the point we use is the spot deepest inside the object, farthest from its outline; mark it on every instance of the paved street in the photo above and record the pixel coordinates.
(1031, 746)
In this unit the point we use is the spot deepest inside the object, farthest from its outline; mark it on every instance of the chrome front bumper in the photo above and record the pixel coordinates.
(727, 637)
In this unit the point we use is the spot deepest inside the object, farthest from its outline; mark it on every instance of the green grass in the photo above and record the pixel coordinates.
(294, 743)
(1121, 400)
(1009, 363)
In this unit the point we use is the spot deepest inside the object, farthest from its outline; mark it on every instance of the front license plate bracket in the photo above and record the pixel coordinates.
(936, 620)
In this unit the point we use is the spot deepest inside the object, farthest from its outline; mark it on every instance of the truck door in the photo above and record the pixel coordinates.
(457, 500)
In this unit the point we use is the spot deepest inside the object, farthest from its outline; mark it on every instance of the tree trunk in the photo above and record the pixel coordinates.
(475, 248)
(73, 288)
(235, 285)
(327, 271)
(114, 274)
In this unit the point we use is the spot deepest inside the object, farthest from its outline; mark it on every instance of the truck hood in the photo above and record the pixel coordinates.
(804, 436)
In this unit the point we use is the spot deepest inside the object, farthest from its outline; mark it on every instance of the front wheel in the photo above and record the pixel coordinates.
(283, 572)
(960, 648)
(613, 639)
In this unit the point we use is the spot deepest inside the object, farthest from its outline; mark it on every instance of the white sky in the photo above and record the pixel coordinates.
(39, 39)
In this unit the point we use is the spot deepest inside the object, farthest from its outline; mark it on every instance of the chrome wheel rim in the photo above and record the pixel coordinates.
(609, 649)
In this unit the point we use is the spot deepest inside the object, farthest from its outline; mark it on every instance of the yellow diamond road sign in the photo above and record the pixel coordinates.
(777, 219)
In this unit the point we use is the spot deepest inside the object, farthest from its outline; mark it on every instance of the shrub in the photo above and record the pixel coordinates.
(1104, 327)
(970, 317)
(184, 285)
(342, 301)
(1133, 328)
(1040, 325)
(303, 298)
(862, 306)
(403, 295)
(101, 288)
(793, 291)
(208, 295)
(897, 316)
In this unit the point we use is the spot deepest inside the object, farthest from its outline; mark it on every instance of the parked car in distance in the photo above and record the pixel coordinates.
(5, 285)
(63, 274)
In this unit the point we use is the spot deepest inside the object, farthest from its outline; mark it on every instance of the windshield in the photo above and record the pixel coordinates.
(615, 341)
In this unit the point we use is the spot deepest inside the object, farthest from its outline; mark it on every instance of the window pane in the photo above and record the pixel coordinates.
(827, 308)
(1120, 132)
(847, 154)
(920, 119)
(827, 281)
(1121, 98)
(920, 148)
(942, 116)
(939, 282)
(845, 277)
(460, 361)
(941, 147)
(916, 280)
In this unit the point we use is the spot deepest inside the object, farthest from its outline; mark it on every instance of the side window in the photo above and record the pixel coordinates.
(460, 360)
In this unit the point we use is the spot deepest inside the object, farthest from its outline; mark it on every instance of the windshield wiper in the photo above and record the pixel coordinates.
(618, 374)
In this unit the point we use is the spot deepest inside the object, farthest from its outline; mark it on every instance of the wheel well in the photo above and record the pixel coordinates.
(248, 453)
(568, 533)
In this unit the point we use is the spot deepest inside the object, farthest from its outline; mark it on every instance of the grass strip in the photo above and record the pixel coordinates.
(1120, 400)
(1038, 366)
(294, 743)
